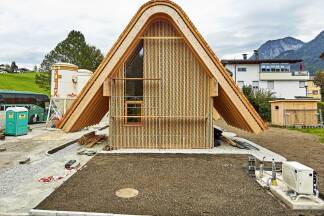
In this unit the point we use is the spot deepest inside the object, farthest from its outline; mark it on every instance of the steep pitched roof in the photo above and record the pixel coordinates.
(231, 104)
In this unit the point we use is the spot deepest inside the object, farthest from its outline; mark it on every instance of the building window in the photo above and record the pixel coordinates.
(302, 84)
(270, 84)
(240, 84)
(241, 69)
(277, 68)
(134, 86)
(255, 84)
(263, 68)
(133, 109)
(315, 92)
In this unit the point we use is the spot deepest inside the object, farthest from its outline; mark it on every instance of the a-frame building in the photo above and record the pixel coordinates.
(160, 83)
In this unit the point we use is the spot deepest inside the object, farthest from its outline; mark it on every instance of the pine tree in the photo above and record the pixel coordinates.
(74, 50)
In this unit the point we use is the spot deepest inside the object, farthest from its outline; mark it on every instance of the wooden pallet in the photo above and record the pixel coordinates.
(90, 139)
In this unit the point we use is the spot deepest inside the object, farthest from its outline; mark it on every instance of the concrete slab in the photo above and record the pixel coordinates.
(35, 212)
(261, 154)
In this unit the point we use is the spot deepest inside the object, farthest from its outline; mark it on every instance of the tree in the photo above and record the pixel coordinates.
(319, 81)
(13, 67)
(35, 69)
(74, 50)
(260, 100)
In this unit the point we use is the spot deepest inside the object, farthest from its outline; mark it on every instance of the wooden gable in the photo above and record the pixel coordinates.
(229, 101)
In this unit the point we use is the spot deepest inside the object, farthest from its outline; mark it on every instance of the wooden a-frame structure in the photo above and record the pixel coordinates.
(190, 76)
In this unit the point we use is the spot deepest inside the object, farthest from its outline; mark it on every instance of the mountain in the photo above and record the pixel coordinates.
(292, 48)
(273, 48)
(309, 52)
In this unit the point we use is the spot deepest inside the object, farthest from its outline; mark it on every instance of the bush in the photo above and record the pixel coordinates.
(260, 100)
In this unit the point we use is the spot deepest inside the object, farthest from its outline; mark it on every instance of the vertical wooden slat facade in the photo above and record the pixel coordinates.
(177, 109)
(292, 112)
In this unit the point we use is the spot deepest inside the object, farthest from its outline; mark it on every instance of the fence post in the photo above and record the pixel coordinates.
(321, 116)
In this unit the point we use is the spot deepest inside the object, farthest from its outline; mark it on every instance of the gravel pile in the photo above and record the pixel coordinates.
(13, 177)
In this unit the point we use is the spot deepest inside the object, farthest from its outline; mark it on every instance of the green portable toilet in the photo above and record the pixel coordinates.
(16, 121)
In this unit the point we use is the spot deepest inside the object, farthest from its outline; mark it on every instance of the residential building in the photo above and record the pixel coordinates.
(313, 91)
(275, 75)
(161, 83)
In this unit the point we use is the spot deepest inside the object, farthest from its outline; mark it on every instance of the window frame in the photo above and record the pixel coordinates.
(302, 86)
(270, 81)
(140, 123)
(255, 86)
(241, 69)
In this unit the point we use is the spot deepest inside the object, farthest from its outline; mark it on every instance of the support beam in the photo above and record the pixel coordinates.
(162, 38)
(213, 88)
(107, 88)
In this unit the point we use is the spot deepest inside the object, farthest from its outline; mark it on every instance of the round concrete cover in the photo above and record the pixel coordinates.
(127, 192)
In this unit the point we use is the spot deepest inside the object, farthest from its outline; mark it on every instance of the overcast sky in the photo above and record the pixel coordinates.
(31, 28)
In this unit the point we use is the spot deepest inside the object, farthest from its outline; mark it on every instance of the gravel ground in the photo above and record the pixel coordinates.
(168, 185)
(12, 177)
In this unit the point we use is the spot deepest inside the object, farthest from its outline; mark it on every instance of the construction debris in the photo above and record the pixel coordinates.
(217, 136)
(90, 139)
(71, 164)
(87, 152)
(229, 141)
(108, 148)
(3, 149)
(245, 145)
(50, 179)
(24, 161)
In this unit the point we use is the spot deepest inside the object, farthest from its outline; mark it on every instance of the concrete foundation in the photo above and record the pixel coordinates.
(261, 154)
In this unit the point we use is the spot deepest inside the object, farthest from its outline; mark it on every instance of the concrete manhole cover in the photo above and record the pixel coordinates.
(127, 193)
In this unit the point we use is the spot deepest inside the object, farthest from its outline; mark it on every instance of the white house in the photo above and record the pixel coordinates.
(275, 75)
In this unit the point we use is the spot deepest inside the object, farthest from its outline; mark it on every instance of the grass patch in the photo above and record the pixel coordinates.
(20, 82)
(315, 131)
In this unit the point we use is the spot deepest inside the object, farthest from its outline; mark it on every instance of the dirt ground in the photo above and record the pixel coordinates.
(167, 185)
(294, 145)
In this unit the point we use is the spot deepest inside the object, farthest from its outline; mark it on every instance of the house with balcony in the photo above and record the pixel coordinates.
(275, 75)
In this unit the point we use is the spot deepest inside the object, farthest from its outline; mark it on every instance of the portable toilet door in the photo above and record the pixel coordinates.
(16, 121)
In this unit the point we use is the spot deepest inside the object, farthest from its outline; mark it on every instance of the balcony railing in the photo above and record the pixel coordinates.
(300, 73)
(292, 75)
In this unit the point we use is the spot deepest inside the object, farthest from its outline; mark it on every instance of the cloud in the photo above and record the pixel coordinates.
(30, 29)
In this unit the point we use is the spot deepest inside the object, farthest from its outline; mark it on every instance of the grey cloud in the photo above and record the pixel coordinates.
(28, 30)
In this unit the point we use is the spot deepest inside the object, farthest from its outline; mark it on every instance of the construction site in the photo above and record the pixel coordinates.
(160, 128)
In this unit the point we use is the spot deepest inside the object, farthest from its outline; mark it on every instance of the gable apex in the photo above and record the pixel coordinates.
(82, 113)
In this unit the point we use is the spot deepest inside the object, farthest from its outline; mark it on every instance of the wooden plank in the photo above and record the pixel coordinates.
(107, 88)
(161, 38)
(193, 117)
(136, 78)
(213, 88)
(95, 140)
